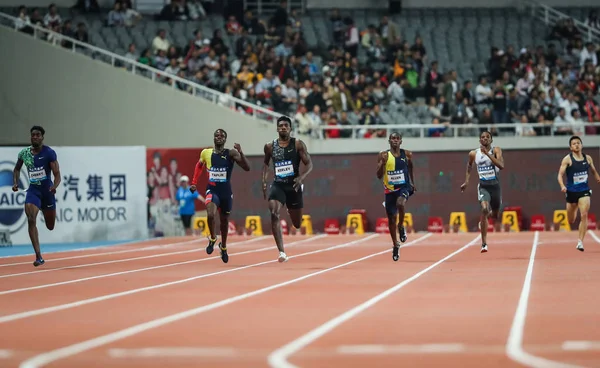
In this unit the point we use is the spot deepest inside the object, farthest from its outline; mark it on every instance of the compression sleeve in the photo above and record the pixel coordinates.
(197, 171)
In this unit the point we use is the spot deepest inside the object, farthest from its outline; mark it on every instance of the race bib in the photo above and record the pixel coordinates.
(486, 172)
(580, 178)
(396, 178)
(284, 169)
(182, 203)
(217, 175)
(37, 174)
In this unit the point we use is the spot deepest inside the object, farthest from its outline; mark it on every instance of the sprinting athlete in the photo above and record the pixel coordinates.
(287, 187)
(576, 166)
(395, 169)
(39, 160)
(489, 162)
(218, 162)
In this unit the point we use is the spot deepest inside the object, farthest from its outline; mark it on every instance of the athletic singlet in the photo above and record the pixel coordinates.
(38, 166)
(487, 171)
(218, 167)
(577, 175)
(395, 172)
(286, 162)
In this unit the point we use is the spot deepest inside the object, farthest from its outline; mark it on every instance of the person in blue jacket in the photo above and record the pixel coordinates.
(186, 203)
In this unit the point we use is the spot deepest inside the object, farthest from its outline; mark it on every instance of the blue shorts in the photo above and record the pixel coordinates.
(41, 197)
(392, 198)
(223, 198)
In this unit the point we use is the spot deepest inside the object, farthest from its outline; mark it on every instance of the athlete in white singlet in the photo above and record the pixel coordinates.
(489, 162)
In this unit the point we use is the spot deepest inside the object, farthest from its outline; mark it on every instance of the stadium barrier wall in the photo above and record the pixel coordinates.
(340, 183)
(101, 197)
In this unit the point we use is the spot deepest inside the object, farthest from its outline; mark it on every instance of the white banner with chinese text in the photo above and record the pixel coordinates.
(102, 196)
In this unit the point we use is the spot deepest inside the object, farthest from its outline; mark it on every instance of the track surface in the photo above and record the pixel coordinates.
(532, 300)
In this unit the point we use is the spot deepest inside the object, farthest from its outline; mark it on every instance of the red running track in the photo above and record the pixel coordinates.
(339, 301)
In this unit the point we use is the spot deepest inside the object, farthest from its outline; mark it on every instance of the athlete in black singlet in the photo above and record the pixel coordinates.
(287, 187)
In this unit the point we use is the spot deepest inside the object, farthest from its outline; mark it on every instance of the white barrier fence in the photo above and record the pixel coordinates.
(102, 196)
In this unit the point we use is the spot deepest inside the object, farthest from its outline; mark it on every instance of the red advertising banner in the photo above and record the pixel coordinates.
(340, 183)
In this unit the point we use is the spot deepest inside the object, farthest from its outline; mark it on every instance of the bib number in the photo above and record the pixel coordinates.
(37, 174)
(580, 178)
(486, 172)
(284, 169)
(217, 176)
(396, 178)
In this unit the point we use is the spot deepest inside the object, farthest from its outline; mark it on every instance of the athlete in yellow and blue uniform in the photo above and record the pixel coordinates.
(395, 170)
(218, 162)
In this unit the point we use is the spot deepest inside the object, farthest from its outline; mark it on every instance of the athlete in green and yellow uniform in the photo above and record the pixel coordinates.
(395, 170)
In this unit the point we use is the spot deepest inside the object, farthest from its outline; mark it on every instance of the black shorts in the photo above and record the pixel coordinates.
(491, 194)
(222, 197)
(187, 221)
(392, 198)
(287, 195)
(573, 197)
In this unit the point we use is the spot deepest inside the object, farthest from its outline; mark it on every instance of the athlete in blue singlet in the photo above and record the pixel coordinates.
(395, 169)
(218, 162)
(41, 163)
(578, 194)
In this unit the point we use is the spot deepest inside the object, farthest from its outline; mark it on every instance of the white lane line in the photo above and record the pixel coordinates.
(118, 260)
(514, 345)
(37, 312)
(401, 349)
(12, 291)
(581, 345)
(68, 351)
(173, 352)
(278, 358)
(5, 354)
(158, 246)
(593, 234)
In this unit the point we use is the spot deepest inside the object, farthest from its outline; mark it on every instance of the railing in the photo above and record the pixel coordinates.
(269, 6)
(138, 68)
(465, 130)
(551, 16)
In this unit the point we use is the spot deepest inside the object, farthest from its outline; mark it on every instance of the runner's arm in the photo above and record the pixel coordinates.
(16, 173)
(381, 159)
(55, 167)
(497, 158)
(469, 166)
(594, 171)
(266, 162)
(239, 157)
(305, 157)
(410, 167)
(561, 171)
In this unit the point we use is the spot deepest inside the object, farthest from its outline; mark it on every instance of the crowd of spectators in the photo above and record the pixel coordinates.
(270, 65)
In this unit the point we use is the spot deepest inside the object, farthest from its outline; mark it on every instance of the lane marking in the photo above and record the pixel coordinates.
(37, 312)
(118, 260)
(5, 354)
(176, 352)
(12, 291)
(68, 351)
(581, 345)
(593, 234)
(157, 246)
(401, 349)
(278, 358)
(514, 345)
(115, 245)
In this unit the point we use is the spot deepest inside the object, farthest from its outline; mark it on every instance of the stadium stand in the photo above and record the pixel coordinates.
(467, 67)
